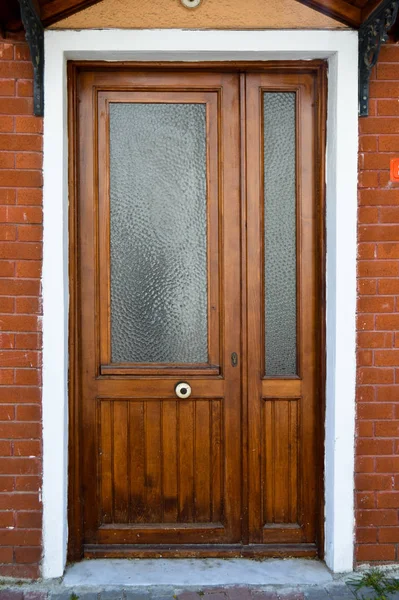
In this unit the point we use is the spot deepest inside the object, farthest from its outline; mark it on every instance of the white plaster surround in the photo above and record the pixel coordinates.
(340, 48)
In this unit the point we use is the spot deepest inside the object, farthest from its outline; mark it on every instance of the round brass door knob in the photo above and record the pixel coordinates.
(183, 390)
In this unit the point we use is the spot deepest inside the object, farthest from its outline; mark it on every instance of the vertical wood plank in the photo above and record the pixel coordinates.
(137, 462)
(281, 463)
(120, 461)
(169, 461)
(153, 479)
(202, 462)
(268, 463)
(293, 461)
(216, 462)
(186, 461)
(106, 462)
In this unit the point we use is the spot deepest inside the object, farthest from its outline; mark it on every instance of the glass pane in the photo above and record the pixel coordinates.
(158, 233)
(280, 233)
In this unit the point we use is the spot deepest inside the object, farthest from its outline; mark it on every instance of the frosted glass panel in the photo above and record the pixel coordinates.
(158, 233)
(280, 233)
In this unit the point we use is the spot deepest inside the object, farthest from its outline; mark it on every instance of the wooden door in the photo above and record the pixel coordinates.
(160, 304)
(196, 259)
(285, 364)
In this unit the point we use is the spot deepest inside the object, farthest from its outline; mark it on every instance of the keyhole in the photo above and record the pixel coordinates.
(183, 391)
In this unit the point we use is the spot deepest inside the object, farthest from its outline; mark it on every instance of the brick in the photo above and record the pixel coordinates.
(28, 483)
(27, 377)
(14, 178)
(6, 484)
(389, 52)
(367, 481)
(19, 287)
(6, 124)
(389, 214)
(365, 322)
(389, 393)
(387, 429)
(382, 89)
(367, 286)
(378, 125)
(7, 196)
(6, 305)
(7, 340)
(28, 341)
(7, 594)
(22, 52)
(29, 196)
(31, 269)
(17, 250)
(374, 339)
(385, 358)
(374, 411)
(380, 552)
(6, 268)
(384, 499)
(7, 160)
(6, 519)
(388, 143)
(28, 520)
(368, 179)
(366, 535)
(367, 304)
(6, 555)
(28, 412)
(388, 286)
(387, 464)
(367, 250)
(28, 125)
(378, 268)
(6, 51)
(15, 106)
(19, 358)
(368, 143)
(23, 448)
(6, 376)
(365, 499)
(388, 197)
(387, 322)
(7, 87)
(29, 160)
(5, 448)
(20, 395)
(28, 555)
(17, 430)
(7, 412)
(21, 142)
(373, 447)
(374, 375)
(8, 232)
(30, 233)
(25, 88)
(364, 464)
(23, 501)
(388, 71)
(20, 571)
(388, 251)
(30, 306)
(364, 358)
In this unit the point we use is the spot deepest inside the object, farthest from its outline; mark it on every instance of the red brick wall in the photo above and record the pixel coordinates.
(377, 464)
(20, 310)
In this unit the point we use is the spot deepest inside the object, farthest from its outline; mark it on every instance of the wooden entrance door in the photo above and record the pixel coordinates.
(194, 312)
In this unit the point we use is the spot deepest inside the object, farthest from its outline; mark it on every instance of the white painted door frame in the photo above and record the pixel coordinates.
(340, 49)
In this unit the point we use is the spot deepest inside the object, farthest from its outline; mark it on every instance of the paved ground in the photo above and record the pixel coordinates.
(336, 591)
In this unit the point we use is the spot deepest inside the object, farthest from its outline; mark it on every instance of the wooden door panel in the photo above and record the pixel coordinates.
(160, 461)
(282, 409)
(158, 469)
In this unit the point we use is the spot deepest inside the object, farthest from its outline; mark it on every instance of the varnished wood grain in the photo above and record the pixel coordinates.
(237, 468)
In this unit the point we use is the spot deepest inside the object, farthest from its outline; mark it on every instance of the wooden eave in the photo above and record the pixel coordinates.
(349, 12)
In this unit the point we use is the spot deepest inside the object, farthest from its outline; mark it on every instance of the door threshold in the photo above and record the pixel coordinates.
(196, 572)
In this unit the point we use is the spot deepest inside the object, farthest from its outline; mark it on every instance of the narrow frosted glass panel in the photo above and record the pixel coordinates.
(280, 233)
(158, 233)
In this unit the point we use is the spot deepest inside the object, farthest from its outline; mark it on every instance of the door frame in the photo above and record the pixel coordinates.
(317, 70)
(339, 48)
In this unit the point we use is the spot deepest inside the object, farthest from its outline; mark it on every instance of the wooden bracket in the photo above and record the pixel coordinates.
(34, 33)
(372, 34)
